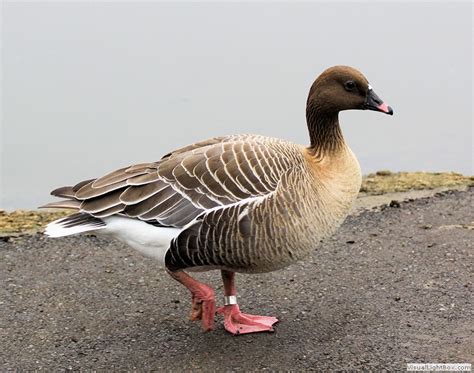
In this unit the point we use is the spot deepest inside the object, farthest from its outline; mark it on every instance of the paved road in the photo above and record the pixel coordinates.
(393, 286)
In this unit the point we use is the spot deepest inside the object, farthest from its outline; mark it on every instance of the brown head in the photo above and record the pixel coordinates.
(336, 89)
(344, 88)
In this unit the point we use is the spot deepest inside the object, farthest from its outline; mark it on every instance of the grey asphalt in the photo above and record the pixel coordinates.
(393, 286)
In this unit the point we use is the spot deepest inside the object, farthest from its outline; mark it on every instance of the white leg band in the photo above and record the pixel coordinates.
(230, 299)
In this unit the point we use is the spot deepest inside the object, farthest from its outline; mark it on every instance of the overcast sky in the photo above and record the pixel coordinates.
(90, 87)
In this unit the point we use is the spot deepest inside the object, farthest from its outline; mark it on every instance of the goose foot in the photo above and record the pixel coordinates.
(236, 322)
(203, 299)
(204, 310)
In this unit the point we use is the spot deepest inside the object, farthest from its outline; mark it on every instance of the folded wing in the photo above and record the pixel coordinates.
(184, 183)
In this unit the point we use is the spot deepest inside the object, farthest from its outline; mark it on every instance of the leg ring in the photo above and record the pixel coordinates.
(230, 300)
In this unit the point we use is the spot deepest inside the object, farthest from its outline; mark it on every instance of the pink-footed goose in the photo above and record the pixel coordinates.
(241, 203)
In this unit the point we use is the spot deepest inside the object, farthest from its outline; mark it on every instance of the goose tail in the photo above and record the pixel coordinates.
(74, 224)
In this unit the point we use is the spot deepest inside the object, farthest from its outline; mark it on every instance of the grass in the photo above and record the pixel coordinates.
(388, 182)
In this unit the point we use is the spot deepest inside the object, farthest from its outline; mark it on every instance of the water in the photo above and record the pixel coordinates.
(91, 87)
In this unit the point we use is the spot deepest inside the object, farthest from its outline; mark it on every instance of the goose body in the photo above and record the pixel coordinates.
(268, 232)
(242, 203)
(285, 204)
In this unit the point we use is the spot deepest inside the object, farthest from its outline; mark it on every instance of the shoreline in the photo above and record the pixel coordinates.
(377, 189)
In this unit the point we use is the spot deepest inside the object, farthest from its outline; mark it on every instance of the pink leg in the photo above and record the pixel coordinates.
(204, 304)
(237, 322)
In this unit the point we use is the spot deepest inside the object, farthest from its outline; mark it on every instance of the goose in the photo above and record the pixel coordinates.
(238, 204)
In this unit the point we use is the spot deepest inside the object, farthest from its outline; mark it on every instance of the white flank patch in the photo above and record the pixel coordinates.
(148, 239)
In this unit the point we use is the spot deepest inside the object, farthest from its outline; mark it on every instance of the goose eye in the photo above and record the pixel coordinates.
(349, 85)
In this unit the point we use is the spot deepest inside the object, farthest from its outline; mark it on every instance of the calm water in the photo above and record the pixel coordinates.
(88, 88)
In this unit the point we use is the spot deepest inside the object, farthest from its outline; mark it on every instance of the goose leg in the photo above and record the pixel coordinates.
(235, 321)
(203, 299)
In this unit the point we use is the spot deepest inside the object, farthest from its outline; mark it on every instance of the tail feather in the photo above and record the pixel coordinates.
(73, 224)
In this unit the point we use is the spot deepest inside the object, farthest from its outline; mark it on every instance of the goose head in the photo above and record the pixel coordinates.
(343, 88)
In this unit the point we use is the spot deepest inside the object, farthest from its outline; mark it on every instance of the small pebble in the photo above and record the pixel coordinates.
(394, 203)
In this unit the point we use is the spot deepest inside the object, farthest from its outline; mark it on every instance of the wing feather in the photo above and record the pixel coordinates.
(136, 194)
(78, 186)
(162, 208)
(64, 204)
(185, 183)
(122, 174)
(101, 203)
(88, 191)
(144, 179)
(143, 207)
(110, 211)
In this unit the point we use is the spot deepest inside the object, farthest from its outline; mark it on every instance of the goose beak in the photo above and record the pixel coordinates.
(374, 102)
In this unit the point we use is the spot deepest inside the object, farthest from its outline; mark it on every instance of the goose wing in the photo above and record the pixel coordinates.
(183, 184)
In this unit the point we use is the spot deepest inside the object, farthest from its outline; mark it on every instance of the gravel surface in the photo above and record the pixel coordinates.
(392, 286)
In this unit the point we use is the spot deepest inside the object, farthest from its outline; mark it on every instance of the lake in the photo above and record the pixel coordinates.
(90, 87)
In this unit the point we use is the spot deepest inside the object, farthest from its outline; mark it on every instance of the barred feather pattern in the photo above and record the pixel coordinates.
(269, 232)
(245, 203)
(185, 183)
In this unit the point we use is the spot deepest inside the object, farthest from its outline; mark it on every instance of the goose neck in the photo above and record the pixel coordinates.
(324, 132)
